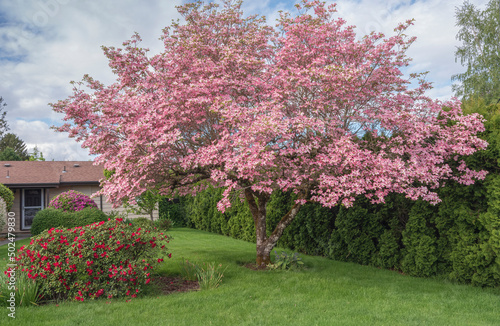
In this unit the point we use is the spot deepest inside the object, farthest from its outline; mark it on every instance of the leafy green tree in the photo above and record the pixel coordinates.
(36, 155)
(146, 203)
(17, 144)
(479, 52)
(9, 154)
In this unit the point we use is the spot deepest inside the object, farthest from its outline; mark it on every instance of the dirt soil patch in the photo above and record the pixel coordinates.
(169, 284)
(254, 267)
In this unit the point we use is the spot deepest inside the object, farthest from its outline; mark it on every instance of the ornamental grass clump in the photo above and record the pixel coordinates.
(72, 201)
(189, 270)
(106, 259)
(26, 291)
(208, 275)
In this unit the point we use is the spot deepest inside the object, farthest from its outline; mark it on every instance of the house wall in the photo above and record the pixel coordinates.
(16, 208)
(108, 207)
(88, 190)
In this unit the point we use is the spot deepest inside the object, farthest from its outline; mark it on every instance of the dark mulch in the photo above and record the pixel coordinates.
(169, 284)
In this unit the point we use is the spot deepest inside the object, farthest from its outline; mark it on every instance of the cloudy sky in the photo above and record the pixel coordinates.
(45, 44)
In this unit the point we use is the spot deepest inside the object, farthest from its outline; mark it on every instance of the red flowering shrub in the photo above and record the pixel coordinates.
(110, 259)
(72, 201)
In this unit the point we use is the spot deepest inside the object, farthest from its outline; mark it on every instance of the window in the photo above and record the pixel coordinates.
(32, 202)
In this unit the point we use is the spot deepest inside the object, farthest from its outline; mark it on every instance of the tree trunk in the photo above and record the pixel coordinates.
(257, 203)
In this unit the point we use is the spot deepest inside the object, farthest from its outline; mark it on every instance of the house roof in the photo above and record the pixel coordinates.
(49, 173)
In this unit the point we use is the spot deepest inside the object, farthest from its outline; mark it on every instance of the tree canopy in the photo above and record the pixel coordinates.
(12, 148)
(480, 51)
(16, 144)
(9, 154)
(305, 106)
(36, 155)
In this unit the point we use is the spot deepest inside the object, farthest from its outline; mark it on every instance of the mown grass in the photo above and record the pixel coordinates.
(325, 293)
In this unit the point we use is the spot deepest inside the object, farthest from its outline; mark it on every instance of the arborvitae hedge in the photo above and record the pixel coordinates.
(450, 239)
(174, 210)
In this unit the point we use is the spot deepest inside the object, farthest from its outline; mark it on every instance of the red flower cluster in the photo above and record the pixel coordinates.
(106, 258)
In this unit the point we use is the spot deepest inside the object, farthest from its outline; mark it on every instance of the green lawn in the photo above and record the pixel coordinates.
(326, 293)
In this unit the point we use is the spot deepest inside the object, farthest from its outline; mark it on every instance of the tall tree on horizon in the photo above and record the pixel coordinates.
(9, 154)
(17, 144)
(479, 53)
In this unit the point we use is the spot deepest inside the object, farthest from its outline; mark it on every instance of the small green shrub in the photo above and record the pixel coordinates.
(164, 224)
(142, 222)
(7, 195)
(116, 214)
(72, 201)
(85, 217)
(111, 259)
(57, 218)
(49, 218)
(286, 261)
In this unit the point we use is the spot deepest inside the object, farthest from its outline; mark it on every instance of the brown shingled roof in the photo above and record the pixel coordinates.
(49, 173)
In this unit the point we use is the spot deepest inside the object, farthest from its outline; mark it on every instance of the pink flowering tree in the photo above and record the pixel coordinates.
(305, 106)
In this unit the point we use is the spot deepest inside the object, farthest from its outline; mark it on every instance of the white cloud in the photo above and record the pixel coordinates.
(48, 43)
(434, 27)
(54, 145)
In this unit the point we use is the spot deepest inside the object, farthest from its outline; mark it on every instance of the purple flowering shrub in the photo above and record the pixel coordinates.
(72, 201)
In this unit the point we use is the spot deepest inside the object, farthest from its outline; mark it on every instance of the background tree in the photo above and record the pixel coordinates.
(480, 51)
(15, 143)
(4, 127)
(9, 154)
(146, 203)
(306, 107)
(36, 155)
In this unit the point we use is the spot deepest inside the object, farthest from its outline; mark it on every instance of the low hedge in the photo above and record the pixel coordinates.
(57, 218)
(87, 216)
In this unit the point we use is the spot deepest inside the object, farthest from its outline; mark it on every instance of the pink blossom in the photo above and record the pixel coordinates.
(306, 106)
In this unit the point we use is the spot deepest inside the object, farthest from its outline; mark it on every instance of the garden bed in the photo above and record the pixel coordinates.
(169, 284)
